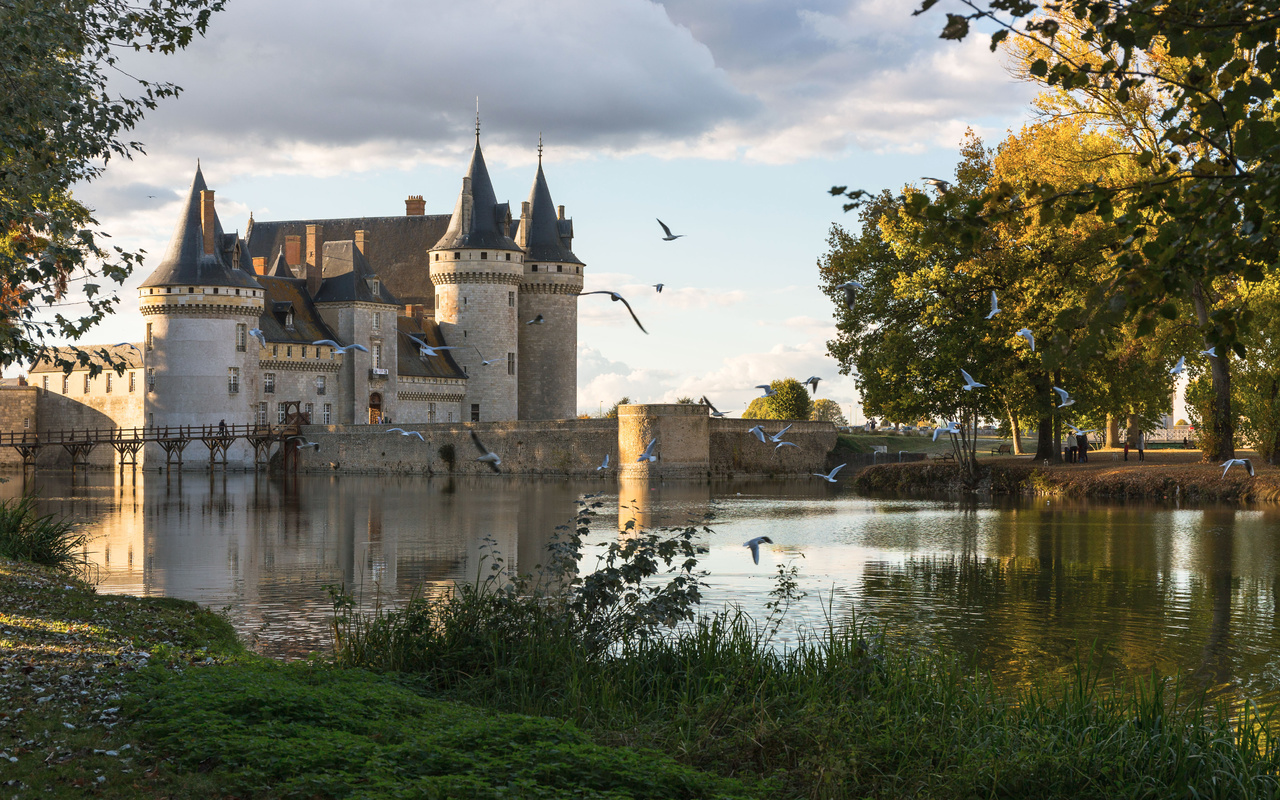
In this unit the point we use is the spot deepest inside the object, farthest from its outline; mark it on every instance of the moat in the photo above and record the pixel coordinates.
(1022, 588)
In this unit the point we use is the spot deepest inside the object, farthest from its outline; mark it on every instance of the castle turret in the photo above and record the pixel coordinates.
(477, 269)
(197, 307)
(552, 281)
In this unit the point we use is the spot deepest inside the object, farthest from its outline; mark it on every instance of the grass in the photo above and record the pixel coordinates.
(45, 540)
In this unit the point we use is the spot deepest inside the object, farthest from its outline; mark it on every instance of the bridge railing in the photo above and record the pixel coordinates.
(150, 433)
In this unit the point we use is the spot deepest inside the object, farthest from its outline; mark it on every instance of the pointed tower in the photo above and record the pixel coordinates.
(552, 281)
(476, 269)
(197, 307)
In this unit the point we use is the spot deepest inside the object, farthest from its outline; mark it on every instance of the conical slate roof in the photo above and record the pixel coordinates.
(478, 219)
(543, 240)
(186, 263)
(280, 267)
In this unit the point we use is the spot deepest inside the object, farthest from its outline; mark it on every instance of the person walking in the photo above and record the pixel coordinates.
(1142, 446)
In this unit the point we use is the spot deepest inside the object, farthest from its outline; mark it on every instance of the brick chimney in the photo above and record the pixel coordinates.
(293, 250)
(415, 206)
(559, 212)
(362, 238)
(315, 258)
(208, 222)
(259, 264)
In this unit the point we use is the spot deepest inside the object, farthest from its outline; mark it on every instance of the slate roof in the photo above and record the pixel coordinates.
(487, 225)
(346, 277)
(185, 262)
(131, 357)
(408, 360)
(548, 237)
(280, 267)
(396, 246)
(290, 294)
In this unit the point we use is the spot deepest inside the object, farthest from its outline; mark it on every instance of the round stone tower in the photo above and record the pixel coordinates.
(197, 307)
(552, 282)
(476, 268)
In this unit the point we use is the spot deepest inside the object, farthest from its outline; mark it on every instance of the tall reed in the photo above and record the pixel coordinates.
(52, 541)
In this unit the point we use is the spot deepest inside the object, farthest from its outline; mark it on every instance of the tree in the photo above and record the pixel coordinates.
(612, 411)
(63, 123)
(790, 400)
(686, 401)
(827, 410)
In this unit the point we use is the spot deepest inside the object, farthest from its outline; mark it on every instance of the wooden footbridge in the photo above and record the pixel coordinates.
(172, 439)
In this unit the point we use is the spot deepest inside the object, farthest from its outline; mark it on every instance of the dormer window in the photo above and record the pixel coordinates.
(374, 285)
(288, 320)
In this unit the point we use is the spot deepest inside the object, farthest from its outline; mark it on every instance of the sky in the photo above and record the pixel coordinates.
(727, 119)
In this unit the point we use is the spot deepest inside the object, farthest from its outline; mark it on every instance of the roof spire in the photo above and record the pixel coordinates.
(539, 148)
(477, 118)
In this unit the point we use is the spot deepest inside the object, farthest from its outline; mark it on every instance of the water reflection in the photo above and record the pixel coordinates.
(1022, 588)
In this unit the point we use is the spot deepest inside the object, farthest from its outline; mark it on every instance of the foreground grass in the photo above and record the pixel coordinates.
(28, 536)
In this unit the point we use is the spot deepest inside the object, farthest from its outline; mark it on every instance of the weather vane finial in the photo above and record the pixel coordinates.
(477, 118)
(539, 147)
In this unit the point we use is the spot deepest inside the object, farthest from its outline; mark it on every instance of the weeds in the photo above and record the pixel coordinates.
(45, 540)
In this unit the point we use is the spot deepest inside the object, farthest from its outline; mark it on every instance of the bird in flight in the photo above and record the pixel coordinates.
(938, 183)
(486, 455)
(538, 320)
(605, 465)
(848, 288)
(305, 444)
(1244, 462)
(758, 432)
(259, 335)
(669, 237)
(648, 455)
(777, 437)
(483, 362)
(339, 348)
(969, 383)
(1076, 430)
(768, 390)
(812, 383)
(659, 286)
(995, 305)
(1066, 398)
(830, 477)
(950, 427)
(1212, 352)
(127, 344)
(616, 297)
(403, 432)
(1177, 368)
(1026, 333)
(780, 445)
(425, 350)
(754, 544)
(714, 412)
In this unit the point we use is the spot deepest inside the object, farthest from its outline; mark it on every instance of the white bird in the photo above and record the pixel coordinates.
(259, 335)
(848, 288)
(1066, 398)
(812, 382)
(950, 427)
(339, 348)
(670, 237)
(1244, 462)
(1177, 368)
(830, 477)
(759, 433)
(768, 390)
(714, 412)
(938, 183)
(605, 465)
(1076, 430)
(780, 445)
(426, 351)
(616, 297)
(127, 344)
(777, 437)
(486, 455)
(403, 432)
(648, 455)
(1026, 333)
(995, 307)
(305, 444)
(754, 544)
(483, 361)
(969, 383)
(538, 320)
(659, 286)
(1212, 352)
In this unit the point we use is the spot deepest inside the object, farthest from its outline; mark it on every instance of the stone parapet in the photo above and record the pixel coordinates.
(735, 451)
(682, 435)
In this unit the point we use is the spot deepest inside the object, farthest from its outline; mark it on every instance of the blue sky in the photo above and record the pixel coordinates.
(729, 119)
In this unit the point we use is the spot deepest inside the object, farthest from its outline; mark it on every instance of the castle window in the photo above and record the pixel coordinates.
(233, 380)
(108, 377)
(319, 384)
(46, 383)
(151, 420)
(66, 384)
(559, 267)
(288, 320)
(377, 355)
(26, 423)
(578, 270)
(374, 287)
(191, 290)
(262, 413)
(475, 412)
(511, 363)
(508, 256)
(457, 256)
(151, 380)
(288, 351)
(151, 344)
(327, 417)
(242, 338)
(268, 383)
(87, 383)
(237, 292)
(132, 381)
(215, 290)
(511, 299)
(535, 267)
(431, 412)
(168, 290)
(310, 409)
(377, 321)
(275, 350)
(280, 413)
(304, 351)
(484, 256)
(437, 256)
(451, 416)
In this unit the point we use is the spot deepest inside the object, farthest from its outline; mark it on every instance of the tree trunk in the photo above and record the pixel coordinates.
(1016, 430)
(1223, 422)
(1044, 423)
(1113, 431)
(1057, 420)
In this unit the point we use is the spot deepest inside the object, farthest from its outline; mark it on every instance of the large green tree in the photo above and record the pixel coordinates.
(790, 400)
(66, 108)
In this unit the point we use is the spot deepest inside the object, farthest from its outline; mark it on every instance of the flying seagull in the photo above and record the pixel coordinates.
(1066, 398)
(670, 237)
(1076, 430)
(605, 465)
(768, 390)
(780, 445)
(425, 350)
(1244, 462)
(754, 544)
(969, 383)
(995, 306)
(259, 335)
(616, 297)
(938, 183)
(812, 383)
(758, 432)
(714, 412)
(950, 427)
(848, 288)
(486, 455)
(1177, 368)
(305, 444)
(538, 320)
(777, 437)
(648, 455)
(403, 432)
(1026, 333)
(340, 348)
(483, 362)
(127, 344)
(659, 286)
(1212, 352)
(830, 477)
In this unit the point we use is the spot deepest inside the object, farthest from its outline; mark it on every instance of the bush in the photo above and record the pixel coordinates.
(46, 540)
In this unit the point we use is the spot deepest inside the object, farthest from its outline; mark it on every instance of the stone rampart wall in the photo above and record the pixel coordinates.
(736, 451)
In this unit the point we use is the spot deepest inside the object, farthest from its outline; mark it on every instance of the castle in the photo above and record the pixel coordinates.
(501, 292)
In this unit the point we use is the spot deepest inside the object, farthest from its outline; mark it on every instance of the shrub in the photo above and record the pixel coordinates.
(47, 540)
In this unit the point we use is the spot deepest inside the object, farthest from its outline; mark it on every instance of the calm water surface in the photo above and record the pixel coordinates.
(1020, 588)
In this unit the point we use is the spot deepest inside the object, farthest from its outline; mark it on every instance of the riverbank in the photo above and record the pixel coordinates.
(1177, 475)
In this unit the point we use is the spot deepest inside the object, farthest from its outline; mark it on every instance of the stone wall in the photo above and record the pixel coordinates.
(735, 451)
(551, 447)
